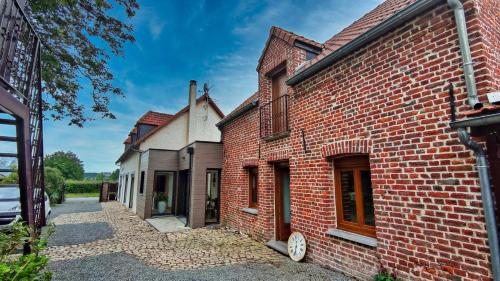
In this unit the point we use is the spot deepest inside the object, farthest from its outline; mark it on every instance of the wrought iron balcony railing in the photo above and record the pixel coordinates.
(274, 117)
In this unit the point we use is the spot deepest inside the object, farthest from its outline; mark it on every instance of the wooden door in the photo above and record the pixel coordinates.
(282, 203)
(278, 102)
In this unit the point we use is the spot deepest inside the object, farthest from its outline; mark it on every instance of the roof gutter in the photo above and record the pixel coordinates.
(376, 32)
(238, 113)
(132, 148)
(485, 120)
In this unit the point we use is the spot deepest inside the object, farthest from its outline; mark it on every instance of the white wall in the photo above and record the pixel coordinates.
(130, 167)
(174, 135)
(171, 137)
(206, 118)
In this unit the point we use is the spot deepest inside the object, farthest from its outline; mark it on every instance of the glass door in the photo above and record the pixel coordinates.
(163, 193)
(212, 202)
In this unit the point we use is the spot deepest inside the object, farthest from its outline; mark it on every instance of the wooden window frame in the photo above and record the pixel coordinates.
(355, 164)
(253, 172)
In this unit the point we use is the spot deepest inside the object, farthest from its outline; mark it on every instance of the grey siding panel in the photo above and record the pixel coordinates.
(206, 156)
(159, 160)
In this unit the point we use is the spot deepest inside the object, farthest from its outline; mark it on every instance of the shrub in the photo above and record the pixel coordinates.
(13, 177)
(83, 186)
(54, 184)
(24, 267)
(384, 276)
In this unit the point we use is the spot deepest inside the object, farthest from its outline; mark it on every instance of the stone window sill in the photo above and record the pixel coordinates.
(276, 136)
(361, 239)
(250, 211)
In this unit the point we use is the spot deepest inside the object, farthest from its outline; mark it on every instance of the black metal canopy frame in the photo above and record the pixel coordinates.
(21, 106)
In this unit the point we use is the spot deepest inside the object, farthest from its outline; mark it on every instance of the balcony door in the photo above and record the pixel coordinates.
(279, 102)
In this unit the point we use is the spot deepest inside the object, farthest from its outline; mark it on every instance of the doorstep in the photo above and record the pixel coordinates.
(280, 246)
(167, 224)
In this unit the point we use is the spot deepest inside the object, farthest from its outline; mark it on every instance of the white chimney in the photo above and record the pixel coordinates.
(191, 137)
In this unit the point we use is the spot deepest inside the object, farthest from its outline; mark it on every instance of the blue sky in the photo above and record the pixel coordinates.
(218, 42)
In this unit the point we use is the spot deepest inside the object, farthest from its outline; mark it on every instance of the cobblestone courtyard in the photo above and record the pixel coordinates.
(106, 242)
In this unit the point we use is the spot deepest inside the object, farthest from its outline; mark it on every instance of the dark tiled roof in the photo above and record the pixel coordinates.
(252, 98)
(249, 100)
(154, 118)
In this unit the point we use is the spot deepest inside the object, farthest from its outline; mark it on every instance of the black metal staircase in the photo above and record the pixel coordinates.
(21, 107)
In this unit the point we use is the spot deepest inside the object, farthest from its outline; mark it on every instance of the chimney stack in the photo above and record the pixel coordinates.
(192, 112)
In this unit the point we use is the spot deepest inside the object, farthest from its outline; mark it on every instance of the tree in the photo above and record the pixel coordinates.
(100, 176)
(68, 163)
(114, 175)
(54, 183)
(13, 177)
(79, 37)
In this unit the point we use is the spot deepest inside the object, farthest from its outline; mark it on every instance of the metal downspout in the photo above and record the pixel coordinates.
(463, 135)
(484, 179)
(190, 151)
(470, 81)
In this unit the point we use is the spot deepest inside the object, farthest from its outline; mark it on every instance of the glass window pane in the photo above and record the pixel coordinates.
(212, 201)
(285, 185)
(366, 186)
(253, 186)
(348, 196)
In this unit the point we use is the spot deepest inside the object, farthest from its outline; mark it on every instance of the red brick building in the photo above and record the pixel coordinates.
(349, 142)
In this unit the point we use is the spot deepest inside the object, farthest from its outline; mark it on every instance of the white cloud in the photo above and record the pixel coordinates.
(147, 17)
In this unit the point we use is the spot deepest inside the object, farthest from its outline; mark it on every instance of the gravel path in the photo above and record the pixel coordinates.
(107, 242)
(76, 205)
(121, 266)
(73, 234)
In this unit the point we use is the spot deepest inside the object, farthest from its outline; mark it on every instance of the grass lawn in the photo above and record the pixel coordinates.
(75, 195)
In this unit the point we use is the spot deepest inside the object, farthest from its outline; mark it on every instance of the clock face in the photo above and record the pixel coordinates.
(296, 246)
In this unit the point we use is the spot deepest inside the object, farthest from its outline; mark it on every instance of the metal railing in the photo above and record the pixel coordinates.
(20, 75)
(274, 117)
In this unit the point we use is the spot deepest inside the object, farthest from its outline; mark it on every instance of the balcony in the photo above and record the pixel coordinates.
(274, 118)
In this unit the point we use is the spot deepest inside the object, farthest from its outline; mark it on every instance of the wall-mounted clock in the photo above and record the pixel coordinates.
(297, 246)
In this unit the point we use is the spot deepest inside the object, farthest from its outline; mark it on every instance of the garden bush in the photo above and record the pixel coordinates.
(23, 267)
(83, 186)
(54, 184)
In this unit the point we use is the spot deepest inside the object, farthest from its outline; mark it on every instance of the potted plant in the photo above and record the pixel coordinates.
(162, 203)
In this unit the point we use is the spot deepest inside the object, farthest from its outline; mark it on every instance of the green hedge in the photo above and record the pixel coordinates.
(73, 186)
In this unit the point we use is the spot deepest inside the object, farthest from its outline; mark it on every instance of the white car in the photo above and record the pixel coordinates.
(48, 209)
(10, 206)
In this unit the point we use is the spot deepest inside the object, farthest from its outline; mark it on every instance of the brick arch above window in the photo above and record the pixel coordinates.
(250, 163)
(342, 147)
(276, 156)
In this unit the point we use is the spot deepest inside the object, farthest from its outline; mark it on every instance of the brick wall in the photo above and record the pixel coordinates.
(389, 100)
